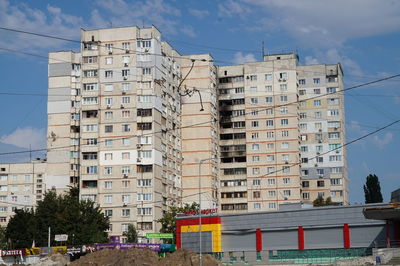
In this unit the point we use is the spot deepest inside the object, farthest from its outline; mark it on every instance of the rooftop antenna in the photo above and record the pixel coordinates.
(262, 51)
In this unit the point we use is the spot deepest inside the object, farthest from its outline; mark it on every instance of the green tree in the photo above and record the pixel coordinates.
(168, 221)
(21, 229)
(131, 234)
(320, 201)
(82, 221)
(372, 189)
(3, 238)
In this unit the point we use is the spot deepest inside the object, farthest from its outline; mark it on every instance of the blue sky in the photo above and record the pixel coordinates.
(363, 35)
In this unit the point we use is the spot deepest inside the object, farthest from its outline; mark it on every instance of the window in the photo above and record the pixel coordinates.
(271, 181)
(108, 184)
(305, 184)
(108, 213)
(333, 135)
(125, 170)
(91, 142)
(126, 156)
(254, 123)
(269, 123)
(268, 88)
(303, 126)
(304, 172)
(256, 182)
(285, 169)
(268, 77)
(331, 90)
(126, 183)
(268, 99)
(144, 182)
(108, 142)
(126, 198)
(125, 87)
(108, 129)
(145, 126)
(254, 135)
(108, 73)
(316, 80)
(283, 110)
(272, 205)
(144, 196)
(333, 101)
(318, 125)
(145, 154)
(126, 141)
(318, 136)
(271, 193)
(254, 100)
(108, 101)
(286, 192)
(109, 60)
(283, 75)
(126, 213)
(284, 122)
(90, 87)
(90, 73)
(319, 160)
(303, 148)
(335, 158)
(256, 171)
(284, 98)
(257, 206)
(255, 147)
(256, 194)
(253, 89)
(270, 158)
(269, 111)
(108, 87)
(91, 169)
(144, 211)
(109, 47)
(317, 102)
(90, 59)
(336, 170)
(89, 128)
(253, 112)
(320, 183)
(253, 77)
(283, 87)
(107, 170)
(270, 134)
(285, 145)
(270, 170)
(302, 81)
(320, 172)
(285, 133)
(126, 128)
(317, 91)
(336, 182)
(333, 124)
(108, 115)
(125, 72)
(144, 139)
(89, 100)
(286, 180)
(306, 195)
(333, 112)
(108, 198)
(303, 115)
(146, 71)
(319, 148)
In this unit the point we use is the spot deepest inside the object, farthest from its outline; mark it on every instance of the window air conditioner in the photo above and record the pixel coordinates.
(125, 64)
(127, 51)
(125, 77)
(108, 106)
(122, 106)
(139, 160)
(125, 176)
(138, 146)
(286, 162)
(123, 92)
(109, 52)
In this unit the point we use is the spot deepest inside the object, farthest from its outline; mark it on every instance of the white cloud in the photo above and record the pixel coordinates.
(331, 23)
(241, 58)
(124, 13)
(26, 137)
(382, 142)
(188, 30)
(309, 60)
(199, 13)
(233, 8)
(397, 99)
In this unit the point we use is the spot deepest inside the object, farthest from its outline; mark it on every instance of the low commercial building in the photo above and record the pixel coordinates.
(303, 235)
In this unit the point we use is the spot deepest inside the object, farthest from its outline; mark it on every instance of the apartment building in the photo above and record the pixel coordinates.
(322, 133)
(269, 135)
(117, 124)
(21, 186)
(137, 137)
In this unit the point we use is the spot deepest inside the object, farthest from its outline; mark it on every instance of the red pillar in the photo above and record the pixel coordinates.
(387, 234)
(258, 239)
(346, 236)
(300, 234)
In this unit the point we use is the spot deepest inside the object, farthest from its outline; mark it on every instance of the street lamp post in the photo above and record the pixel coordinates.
(200, 242)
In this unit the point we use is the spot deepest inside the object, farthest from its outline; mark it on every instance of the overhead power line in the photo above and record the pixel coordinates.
(207, 122)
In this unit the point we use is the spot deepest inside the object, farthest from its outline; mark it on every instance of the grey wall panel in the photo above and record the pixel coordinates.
(360, 236)
(59, 107)
(60, 69)
(239, 242)
(276, 240)
(59, 94)
(191, 241)
(327, 238)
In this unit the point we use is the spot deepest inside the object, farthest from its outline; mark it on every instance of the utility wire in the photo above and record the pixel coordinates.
(207, 122)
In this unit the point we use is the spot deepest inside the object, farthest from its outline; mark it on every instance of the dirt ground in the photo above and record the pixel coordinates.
(143, 257)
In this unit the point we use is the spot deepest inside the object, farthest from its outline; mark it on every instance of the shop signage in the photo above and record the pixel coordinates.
(160, 235)
(12, 252)
(205, 211)
(61, 237)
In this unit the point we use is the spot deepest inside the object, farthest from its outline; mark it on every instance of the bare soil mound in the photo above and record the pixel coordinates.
(143, 257)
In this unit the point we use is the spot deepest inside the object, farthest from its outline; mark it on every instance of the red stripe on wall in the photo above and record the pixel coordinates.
(195, 221)
(300, 234)
(258, 239)
(346, 236)
(396, 229)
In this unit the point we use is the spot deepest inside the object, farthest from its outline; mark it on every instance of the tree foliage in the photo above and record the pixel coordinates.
(131, 234)
(168, 221)
(3, 239)
(372, 189)
(82, 221)
(320, 202)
